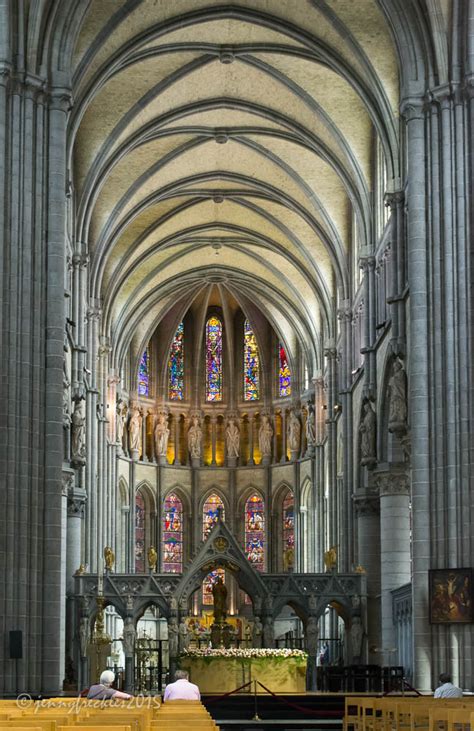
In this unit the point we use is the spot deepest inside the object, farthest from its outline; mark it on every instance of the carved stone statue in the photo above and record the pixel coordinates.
(265, 435)
(152, 558)
(195, 438)
(367, 430)
(84, 635)
(122, 411)
(184, 636)
(232, 438)
(129, 636)
(311, 636)
(357, 633)
(268, 632)
(162, 434)
(78, 441)
(312, 603)
(294, 432)
(397, 391)
(135, 430)
(330, 558)
(219, 595)
(257, 632)
(310, 429)
(173, 639)
(289, 559)
(109, 558)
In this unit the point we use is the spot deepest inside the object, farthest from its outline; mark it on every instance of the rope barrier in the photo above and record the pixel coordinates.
(215, 698)
(302, 709)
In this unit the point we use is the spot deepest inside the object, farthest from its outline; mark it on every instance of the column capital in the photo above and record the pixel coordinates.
(366, 503)
(394, 199)
(412, 107)
(367, 263)
(392, 482)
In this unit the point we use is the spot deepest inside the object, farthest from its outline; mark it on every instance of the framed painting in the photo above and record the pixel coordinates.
(451, 596)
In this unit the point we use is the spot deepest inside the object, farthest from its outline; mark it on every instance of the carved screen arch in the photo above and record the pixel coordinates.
(255, 531)
(172, 530)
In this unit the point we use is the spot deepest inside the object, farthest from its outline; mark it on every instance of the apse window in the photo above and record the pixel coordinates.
(214, 359)
(251, 365)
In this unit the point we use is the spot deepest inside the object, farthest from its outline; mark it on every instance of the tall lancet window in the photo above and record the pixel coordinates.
(284, 374)
(173, 535)
(176, 366)
(255, 531)
(251, 365)
(288, 515)
(214, 359)
(210, 515)
(139, 533)
(144, 373)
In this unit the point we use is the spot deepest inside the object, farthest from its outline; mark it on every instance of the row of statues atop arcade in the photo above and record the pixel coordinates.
(130, 433)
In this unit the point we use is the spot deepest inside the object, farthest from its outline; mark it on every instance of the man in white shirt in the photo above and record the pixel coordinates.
(181, 689)
(447, 689)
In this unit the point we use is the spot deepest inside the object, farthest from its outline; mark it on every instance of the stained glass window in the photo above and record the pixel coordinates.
(210, 513)
(251, 365)
(144, 373)
(284, 375)
(208, 583)
(139, 533)
(288, 530)
(176, 366)
(214, 359)
(255, 531)
(173, 535)
(209, 519)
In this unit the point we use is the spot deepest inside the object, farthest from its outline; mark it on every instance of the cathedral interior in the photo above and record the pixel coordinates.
(236, 330)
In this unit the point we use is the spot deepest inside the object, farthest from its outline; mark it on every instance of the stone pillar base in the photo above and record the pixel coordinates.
(266, 459)
(161, 459)
(231, 461)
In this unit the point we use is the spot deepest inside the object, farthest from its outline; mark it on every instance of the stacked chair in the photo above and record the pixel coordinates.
(138, 714)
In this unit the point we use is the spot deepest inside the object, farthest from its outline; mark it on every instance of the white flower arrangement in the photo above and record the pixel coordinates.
(244, 653)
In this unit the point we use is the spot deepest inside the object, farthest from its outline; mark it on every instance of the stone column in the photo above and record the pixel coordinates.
(395, 297)
(345, 396)
(176, 439)
(213, 439)
(331, 355)
(251, 427)
(367, 512)
(367, 264)
(393, 488)
(418, 257)
(283, 436)
(144, 439)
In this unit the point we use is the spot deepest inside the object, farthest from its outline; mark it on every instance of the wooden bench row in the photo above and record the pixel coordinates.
(76, 713)
(408, 714)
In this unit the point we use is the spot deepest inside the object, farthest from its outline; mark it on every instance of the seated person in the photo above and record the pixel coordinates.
(447, 689)
(104, 691)
(181, 689)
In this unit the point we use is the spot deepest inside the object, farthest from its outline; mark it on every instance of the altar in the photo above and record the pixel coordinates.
(221, 671)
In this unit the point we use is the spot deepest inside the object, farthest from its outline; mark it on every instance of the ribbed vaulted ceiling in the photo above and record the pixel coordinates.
(235, 142)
